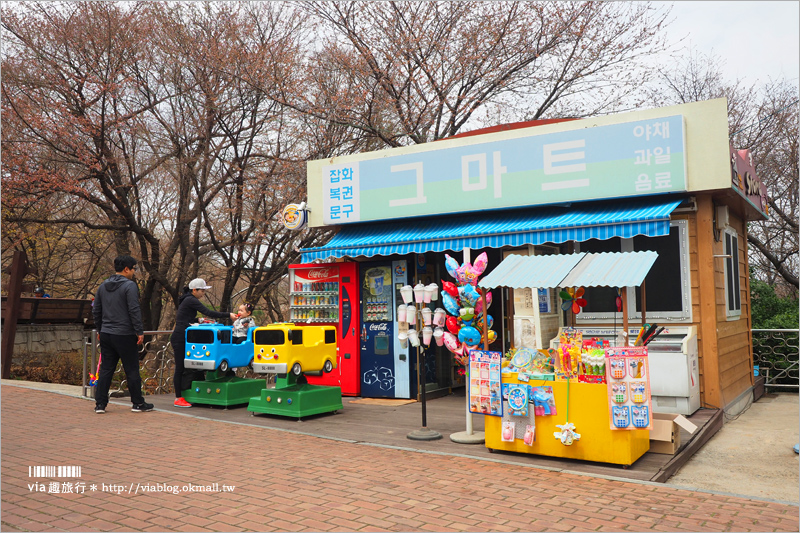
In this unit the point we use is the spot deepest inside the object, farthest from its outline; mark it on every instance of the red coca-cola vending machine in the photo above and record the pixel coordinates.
(328, 294)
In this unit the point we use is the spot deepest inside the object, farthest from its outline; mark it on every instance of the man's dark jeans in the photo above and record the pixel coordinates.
(112, 349)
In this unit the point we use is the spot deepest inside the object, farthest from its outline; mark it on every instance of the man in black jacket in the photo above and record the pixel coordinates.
(118, 318)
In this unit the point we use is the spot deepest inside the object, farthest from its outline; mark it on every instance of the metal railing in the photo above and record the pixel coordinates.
(156, 366)
(775, 353)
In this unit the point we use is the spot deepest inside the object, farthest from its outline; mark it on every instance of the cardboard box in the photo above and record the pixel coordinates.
(665, 437)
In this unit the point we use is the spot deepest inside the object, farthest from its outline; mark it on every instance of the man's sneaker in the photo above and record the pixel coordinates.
(142, 407)
(181, 402)
(99, 409)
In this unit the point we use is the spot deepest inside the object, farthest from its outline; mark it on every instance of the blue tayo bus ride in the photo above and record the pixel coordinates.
(210, 347)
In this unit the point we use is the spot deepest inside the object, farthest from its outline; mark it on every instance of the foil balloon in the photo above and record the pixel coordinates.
(467, 296)
(479, 303)
(468, 273)
(479, 322)
(491, 336)
(451, 265)
(452, 325)
(450, 288)
(466, 313)
(452, 344)
(450, 304)
(469, 335)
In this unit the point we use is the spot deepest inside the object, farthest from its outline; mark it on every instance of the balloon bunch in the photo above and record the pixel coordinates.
(463, 302)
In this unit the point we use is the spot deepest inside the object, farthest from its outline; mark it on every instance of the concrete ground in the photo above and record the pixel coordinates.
(165, 471)
(752, 454)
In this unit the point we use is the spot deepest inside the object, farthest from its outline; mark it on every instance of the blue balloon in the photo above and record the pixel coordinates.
(469, 335)
(489, 320)
(468, 295)
(450, 304)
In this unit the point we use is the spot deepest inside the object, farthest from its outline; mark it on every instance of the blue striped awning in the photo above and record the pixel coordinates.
(496, 229)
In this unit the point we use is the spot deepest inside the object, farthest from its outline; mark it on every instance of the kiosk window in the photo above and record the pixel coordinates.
(270, 336)
(667, 284)
(732, 288)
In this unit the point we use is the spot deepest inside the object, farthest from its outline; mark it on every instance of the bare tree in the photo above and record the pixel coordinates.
(414, 72)
(764, 120)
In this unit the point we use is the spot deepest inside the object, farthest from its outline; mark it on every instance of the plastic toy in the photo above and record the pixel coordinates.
(518, 400)
(530, 435)
(619, 393)
(640, 415)
(210, 347)
(617, 368)
(521, 361)
(638, 389)
(286, 347)
(94, 377)
(290, 351)
(573, 299)
(508, 431)
(543, 401)
(621, 416)
(567, 434)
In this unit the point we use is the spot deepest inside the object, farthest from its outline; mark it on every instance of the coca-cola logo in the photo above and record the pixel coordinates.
(321, 273)
(379, 327)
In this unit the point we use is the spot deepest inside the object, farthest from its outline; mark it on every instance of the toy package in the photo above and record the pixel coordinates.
(568, 359)
(628, 382)
(484, 383)
(593, 364)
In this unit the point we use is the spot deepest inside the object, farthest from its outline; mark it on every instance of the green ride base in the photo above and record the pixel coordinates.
(294, 397)
(223, 390)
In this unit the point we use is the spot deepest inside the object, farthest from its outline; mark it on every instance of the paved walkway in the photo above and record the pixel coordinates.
(269, 480)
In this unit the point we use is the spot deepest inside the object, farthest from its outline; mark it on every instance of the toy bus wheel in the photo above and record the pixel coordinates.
(296, 370)
(328, 366)
(223, 366)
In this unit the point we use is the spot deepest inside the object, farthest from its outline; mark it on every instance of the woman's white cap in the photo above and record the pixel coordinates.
(198, 283)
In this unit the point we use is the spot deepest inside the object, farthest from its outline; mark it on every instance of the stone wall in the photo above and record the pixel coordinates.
(48, 338)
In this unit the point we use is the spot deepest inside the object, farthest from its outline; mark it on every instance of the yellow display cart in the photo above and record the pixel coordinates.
(589, 412)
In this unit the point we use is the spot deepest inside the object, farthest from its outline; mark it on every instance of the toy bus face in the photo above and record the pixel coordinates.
(283, 348)
(208, 345)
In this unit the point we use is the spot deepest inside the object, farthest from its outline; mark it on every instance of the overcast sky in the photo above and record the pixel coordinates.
(758, 40)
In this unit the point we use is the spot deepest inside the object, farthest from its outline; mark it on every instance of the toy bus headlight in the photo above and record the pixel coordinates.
(208, 354)
(188, 353)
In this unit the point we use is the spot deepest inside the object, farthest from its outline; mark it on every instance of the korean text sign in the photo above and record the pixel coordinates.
(610, 161)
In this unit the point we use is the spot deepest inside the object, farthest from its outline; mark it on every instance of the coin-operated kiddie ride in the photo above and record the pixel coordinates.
(292, 351)
(210, 347)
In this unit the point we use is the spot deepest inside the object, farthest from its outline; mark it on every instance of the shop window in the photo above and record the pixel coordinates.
(732, 288)
(667, 284)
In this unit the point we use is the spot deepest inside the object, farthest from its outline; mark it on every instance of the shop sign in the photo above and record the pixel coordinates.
(294, 216)
(637, 158)
(746, 182)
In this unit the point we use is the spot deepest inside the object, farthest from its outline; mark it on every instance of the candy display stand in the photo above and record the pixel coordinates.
(589, 414)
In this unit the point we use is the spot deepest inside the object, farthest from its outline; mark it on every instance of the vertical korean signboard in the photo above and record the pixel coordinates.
(611, 161)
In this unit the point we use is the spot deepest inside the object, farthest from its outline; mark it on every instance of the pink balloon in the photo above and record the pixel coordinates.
(479, 303)
(468, 273)
(452, 344)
